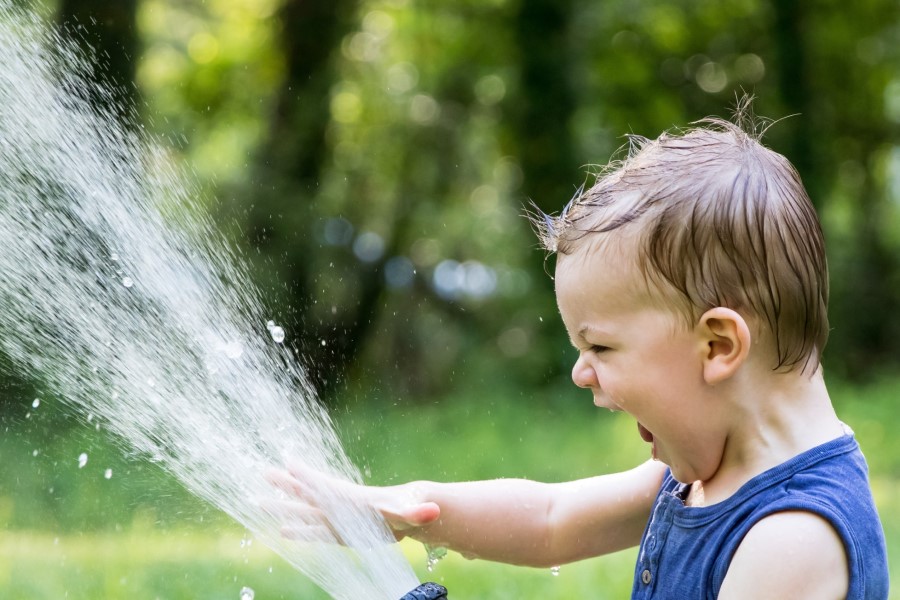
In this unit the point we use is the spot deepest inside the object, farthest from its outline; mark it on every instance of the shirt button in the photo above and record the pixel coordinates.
(646, 576)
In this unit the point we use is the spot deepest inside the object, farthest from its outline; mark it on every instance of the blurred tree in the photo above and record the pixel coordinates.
(854, 65)
(290, 161)
(375, 237)
(790, 33)
(544, 104)
(542, 119)
(395, 143)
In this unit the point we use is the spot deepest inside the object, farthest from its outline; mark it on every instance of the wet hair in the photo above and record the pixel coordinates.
(722, 221)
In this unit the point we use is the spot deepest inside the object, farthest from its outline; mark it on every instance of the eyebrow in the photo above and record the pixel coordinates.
(582, 333)
(579, 336)
(587, 329)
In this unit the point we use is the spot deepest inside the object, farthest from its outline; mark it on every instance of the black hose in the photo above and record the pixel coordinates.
(427, 591)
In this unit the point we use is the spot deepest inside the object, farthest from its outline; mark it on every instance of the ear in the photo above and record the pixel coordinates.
(727, 339)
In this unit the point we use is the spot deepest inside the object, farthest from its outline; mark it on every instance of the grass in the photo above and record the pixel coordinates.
(142, 564)
(196, 565)
(72, 533)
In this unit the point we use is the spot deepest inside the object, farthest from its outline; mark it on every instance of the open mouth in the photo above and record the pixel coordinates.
(647, 436)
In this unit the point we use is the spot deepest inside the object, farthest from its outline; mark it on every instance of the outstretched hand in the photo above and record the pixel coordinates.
(400, 506)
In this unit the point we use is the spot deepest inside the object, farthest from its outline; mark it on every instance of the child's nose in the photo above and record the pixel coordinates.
(583, 374)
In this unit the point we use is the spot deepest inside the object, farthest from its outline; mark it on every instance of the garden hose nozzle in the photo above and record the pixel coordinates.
(427, 591)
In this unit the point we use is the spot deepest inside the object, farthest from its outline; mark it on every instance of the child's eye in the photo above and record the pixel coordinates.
(598, 349)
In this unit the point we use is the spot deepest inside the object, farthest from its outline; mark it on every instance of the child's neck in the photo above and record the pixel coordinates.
(779, 417)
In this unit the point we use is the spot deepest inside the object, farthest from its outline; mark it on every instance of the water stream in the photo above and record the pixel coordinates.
(119, 294)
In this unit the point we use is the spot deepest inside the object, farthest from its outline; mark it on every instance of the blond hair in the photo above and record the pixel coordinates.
(723, 221)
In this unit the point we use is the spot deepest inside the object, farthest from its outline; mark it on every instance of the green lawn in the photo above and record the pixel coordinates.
(72, 533)
(202, 566)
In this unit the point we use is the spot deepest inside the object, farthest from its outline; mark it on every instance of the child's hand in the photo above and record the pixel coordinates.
(400, 505)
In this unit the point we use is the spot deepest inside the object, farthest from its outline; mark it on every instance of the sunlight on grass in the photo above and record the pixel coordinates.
(191, 565)
(603, 578)
(143, 564)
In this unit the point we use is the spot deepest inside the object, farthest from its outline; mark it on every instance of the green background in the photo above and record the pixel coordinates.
(374, 160)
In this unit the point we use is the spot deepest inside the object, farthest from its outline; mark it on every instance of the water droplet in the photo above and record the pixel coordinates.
(127, 282)
(82, 460)
(277, 334)
(554, 571)
(114, 257)
(323, 342)
(107, 474)
(247, 593)
(435, 554)
(36, 403)
(34, 453)
(270, 325)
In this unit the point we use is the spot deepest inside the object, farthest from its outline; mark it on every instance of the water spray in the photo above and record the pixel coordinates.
(119, 293)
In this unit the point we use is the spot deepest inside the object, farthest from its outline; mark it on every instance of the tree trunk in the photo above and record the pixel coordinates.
(290, 162)
(546, 102)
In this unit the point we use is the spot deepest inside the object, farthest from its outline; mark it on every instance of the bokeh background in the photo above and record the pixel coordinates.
(374, 159)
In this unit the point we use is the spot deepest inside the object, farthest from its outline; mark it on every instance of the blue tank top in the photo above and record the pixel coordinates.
(686, 551)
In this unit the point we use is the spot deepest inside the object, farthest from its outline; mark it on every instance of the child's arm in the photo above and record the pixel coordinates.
(518, 521)
(538, 524)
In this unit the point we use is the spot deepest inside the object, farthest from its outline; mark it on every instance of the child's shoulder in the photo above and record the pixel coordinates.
(789, 554)
(811, 528)
(807, 526)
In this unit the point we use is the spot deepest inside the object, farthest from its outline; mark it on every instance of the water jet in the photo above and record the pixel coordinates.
(119, 294)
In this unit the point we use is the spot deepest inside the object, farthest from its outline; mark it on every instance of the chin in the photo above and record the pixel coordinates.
(681, 472)
(682, 477)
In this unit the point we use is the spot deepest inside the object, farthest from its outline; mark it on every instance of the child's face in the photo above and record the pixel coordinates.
(638, 357)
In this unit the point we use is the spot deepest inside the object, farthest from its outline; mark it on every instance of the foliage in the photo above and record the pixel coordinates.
(401, 242)
(375, 157)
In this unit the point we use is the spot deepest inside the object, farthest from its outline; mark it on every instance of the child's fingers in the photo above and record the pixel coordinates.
(306, 521)
(302, 521)
(294, 511)
(303, 473)
(309, 533)
(422, 514)
(286, 483)
(311, 482)
(314, 478)
(411, 515)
